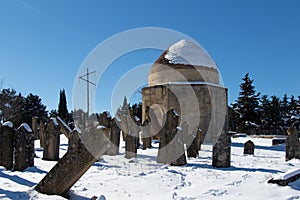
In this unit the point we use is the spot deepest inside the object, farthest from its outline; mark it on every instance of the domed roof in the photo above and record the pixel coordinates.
(184, 62)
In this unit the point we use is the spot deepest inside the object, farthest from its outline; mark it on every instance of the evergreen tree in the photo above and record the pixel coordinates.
(285, 111)
(11, 106)
(275, 114)
(265, 112)
(293, 106)
(62, 106)
(34, 107)
(247, 105)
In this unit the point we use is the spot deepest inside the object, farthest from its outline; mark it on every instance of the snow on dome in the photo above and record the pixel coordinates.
(8, 124)
(189, 53)
(26, 126)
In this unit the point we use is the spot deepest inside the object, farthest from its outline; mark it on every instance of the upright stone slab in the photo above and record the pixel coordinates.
(132, 138)
(114, 138)
(78, 159)
(7, 145)
(24, 148)
(190, 141)
(292, 144)
(51, 141)
(146, 134)
(221, 151)
(249, 148)
(198, 137)
(35, 127)
(105, 132)
(171, 146)
(42, 133)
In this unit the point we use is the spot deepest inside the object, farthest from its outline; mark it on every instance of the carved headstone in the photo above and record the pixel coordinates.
(292, 144)
(24, 148)
(7, 145)
(78, 159)
(51, 141)
(171, 146)
(221, 151)
(249, 147)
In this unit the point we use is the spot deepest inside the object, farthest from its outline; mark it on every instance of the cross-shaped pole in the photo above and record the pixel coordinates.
(85, 78)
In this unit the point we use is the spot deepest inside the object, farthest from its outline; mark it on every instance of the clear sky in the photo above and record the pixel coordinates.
(43, 43)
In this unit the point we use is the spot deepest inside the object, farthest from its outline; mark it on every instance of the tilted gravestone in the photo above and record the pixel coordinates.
(171, 146)
(292, 144)
(63, 127)
(24, 148)
(78, 159)
(249, 147)
(221, 151)
(51, 141)
(42, 133)
(7, 145)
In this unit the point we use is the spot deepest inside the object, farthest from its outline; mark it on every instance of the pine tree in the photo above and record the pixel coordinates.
(285, 111)
(247, 105)
(265, 112)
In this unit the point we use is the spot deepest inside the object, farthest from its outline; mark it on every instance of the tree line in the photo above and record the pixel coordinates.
(253, 113)
(20, 109)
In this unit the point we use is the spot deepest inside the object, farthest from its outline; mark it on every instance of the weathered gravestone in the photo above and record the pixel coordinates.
(249, 147)
(114, 138)
(78, 159)
(24, 148)
(292, 144)
(132, 138)
(146, 134)
(198, 136)
(171, 146)
(63, 127)
(7, 133)
(35, 127)
(51, 141)
(190, 141)
(42, 134)
(221, 151)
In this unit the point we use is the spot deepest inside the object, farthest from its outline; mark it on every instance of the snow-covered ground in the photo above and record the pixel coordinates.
(115, 177)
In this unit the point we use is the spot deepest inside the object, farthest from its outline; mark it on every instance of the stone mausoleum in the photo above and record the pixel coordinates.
(186, 79)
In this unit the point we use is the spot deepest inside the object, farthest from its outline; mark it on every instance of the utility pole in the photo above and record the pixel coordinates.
(85, 78)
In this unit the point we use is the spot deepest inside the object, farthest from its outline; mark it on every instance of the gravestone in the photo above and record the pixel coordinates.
(292, 144)
(105, 132)
(114, 138)
(132, 138)
(249, 147)
(171, 146)
(42, 133)
(7, 145)
(63, 127)
(198, 137)
(221, 151)
(78, 159)
(51, 141)
(190, 141)
(146, 134)
(24, 148)
(35, 127)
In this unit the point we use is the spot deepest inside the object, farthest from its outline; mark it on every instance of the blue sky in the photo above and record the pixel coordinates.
(43, 43)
